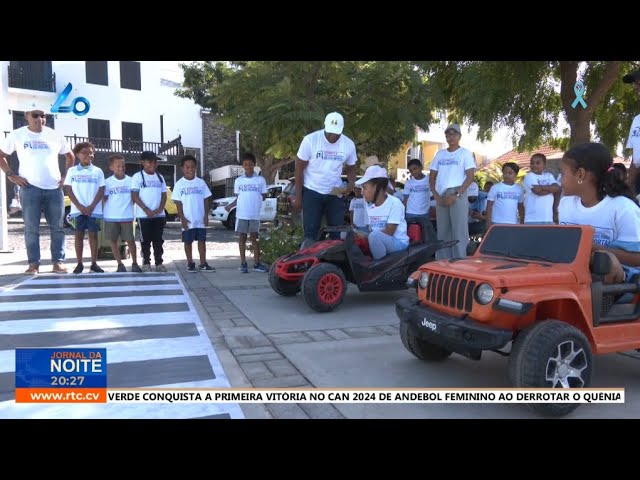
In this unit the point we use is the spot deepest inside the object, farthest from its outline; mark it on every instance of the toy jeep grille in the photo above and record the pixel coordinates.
(451, 292)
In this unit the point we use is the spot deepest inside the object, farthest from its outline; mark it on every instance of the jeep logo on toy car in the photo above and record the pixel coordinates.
(430, 325)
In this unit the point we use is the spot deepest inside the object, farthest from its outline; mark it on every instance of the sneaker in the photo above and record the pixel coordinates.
(191, 268)
(33, 269)
(258, 267)
(96, 269)
(79, 268)
(206, 268)
(244, 268)
(161, 268)
(59, 267)
(121, 268)
(146, 267)
(135, 268)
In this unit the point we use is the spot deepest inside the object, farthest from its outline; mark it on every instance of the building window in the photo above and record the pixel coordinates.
(131, 137)
(130, 75)
(20, 121)
(97, 72)
(414, 152)
(32, 76)
(100, 133)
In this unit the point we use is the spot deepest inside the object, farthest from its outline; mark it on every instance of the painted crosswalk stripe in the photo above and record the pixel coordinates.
(147, 323)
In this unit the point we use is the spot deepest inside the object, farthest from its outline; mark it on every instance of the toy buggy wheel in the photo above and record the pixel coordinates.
(551, 354)
(67, 217)
(324, 287)
(421, 348)
(280, 286)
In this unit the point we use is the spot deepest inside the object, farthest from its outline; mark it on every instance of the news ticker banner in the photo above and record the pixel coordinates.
(46, 375)
(75, 374)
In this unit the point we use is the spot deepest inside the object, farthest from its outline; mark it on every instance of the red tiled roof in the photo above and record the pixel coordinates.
(523, 159)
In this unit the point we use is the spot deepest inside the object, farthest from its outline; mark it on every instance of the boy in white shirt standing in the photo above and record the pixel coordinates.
(505, 199)
(358, 210)
(191, 195)
(117, 211)
(417, 197)
(541, 189)
(84, 185)
(251, 190)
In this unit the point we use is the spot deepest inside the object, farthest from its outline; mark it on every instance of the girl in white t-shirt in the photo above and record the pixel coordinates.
(385, 213)
(505, 201)
(597, 195)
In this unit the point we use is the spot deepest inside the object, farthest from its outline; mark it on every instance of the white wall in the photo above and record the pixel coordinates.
(181, 116)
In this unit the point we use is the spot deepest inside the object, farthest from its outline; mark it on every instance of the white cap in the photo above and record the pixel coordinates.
(334, 123)
(473, 190)
(374, 171)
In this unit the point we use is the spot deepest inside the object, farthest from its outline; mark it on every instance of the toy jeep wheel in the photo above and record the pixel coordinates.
(421, 348)
(324, 287)
(280, 286)
(551, 354)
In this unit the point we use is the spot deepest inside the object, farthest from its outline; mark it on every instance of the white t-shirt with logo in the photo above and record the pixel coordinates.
(38, 155)
(538, 208)
(249, 191)
(191, 193)
(451, 168)
(419, 195)
(391, 211)
(633, 141)
(150, 188)
(118, 205)
(325, 160)
(614, 219)
(85, 183)
(359, 208)
(505, 200)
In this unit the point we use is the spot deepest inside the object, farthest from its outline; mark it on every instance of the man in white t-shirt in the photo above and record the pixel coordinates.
(40, 179)
(319, 164)
(452, 171)
(633, 142)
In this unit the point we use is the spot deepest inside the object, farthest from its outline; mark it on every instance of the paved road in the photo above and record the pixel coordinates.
(147, 323)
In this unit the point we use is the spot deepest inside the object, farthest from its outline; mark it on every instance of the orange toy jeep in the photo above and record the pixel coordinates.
(536, 286)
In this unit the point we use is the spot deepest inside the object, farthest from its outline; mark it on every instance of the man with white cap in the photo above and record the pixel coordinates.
(452, 171)
(39, 177)
(633, 142)
(319, 164)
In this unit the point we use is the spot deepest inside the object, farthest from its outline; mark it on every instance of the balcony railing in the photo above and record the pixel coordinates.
(31, 78)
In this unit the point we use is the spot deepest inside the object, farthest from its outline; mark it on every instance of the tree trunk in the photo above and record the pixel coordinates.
(579, 118)
(269, 167)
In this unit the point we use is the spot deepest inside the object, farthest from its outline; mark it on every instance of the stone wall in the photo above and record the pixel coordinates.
(218, 144)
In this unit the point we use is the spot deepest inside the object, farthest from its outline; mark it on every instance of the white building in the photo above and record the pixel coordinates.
(131, 107)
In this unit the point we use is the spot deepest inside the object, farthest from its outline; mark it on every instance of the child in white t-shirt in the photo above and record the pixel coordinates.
(417, 197)
(385, 213)
(505, 199)
(597, 195)
(149, 193)
(358, 211)
(251, 190)
(191, 195)
(84, 185)
(541, 190)
(118, 212)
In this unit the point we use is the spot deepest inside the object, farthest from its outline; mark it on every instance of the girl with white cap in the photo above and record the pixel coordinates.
(385, 213)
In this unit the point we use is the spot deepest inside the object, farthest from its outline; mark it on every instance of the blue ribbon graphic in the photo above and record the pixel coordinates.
(578, 89)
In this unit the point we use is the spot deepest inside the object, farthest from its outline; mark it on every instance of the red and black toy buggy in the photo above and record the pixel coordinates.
(322, 270)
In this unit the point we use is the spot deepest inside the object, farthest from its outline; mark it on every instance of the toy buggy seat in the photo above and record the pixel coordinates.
(415, 233)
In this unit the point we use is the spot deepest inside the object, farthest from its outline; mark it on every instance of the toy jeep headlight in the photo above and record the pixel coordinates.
(484, 293)
(424, 280)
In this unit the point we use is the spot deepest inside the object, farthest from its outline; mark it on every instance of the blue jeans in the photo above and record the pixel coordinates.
(382, 244)
(314, 206)
(35, 200)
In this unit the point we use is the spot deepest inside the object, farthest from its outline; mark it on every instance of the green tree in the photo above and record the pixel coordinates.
(274, 104)
(528, 98)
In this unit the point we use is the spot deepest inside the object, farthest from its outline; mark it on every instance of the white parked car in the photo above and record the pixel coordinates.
(267, 212)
